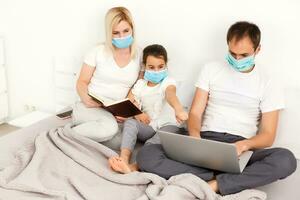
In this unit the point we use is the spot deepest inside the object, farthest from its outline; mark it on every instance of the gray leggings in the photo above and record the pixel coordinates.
(264, 167)
(134, 130)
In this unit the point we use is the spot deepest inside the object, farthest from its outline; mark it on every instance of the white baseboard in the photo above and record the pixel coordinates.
(29, 119)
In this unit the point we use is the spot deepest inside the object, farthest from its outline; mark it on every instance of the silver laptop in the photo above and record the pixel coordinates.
(202, 152)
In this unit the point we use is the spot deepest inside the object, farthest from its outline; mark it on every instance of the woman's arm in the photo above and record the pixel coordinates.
(196, 112)
(83, 81)
(173, 100)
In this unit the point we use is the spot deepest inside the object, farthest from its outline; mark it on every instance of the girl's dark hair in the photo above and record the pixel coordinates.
(155, 50)
(243, 29)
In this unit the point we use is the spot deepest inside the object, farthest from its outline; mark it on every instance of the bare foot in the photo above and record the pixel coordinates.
(119, 165)
(214, 185)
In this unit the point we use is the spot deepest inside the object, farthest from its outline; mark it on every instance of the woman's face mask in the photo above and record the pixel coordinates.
(123, 42)
(241, 65)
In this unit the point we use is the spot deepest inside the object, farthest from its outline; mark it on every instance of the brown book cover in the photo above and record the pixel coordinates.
(123, 108)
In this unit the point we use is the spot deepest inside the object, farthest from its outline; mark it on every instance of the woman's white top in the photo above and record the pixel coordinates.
(109, 81)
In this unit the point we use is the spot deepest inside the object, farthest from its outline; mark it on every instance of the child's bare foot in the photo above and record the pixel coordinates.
(119, 165)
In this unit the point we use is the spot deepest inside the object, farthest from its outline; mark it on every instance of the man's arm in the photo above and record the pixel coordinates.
(265, 136)
(196, 112)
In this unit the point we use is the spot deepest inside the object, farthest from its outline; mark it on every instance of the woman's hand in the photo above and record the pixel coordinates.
(89, 102)
(144, 118)
(181, 116)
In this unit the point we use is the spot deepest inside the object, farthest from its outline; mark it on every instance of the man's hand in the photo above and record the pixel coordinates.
(196, 134)
(144, 118)
(242, 146)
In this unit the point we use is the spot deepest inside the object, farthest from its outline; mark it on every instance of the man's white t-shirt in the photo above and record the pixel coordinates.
(237, 100)
(152, 99)
(109, 81)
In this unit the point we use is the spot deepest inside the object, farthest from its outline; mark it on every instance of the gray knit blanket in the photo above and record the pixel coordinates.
(62, 165)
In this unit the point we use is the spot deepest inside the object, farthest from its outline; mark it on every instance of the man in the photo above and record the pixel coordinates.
(235, 102)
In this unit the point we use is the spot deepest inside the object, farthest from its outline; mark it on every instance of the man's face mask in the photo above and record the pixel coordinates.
(241, 65)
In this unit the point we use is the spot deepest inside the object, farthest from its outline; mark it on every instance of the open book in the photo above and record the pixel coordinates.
(123, 108)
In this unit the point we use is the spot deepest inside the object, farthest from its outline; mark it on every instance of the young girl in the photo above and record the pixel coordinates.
(150, 94)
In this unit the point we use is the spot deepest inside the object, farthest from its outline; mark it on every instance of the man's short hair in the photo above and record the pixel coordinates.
(243, 29)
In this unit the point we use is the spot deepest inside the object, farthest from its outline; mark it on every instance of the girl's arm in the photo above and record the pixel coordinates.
(141, 117)
(173, 100)
(130, 96)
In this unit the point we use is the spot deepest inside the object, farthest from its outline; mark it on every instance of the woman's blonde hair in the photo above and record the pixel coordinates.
(113, 17)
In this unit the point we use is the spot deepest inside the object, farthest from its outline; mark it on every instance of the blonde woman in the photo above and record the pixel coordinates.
(109, 71)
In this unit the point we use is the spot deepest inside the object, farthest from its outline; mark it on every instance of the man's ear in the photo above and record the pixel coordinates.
(257, 49)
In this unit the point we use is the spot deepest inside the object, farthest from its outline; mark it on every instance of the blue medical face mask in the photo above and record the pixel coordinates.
(123, 42)
(155, 76)
(241, 65)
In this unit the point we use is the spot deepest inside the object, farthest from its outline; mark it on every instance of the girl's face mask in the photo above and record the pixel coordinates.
(155, 76)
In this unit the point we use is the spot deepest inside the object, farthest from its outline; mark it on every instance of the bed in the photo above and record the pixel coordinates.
(10, 143)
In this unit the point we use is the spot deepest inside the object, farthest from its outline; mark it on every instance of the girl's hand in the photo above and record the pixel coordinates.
(120, 119)
(181, 116)
(89, 102)
(144, 118)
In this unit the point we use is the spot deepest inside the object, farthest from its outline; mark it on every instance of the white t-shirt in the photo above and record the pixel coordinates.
(109, 81)
(152, 99)
(236, 100)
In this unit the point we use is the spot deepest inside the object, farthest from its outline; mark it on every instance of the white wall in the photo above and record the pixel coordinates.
(39, 32)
